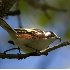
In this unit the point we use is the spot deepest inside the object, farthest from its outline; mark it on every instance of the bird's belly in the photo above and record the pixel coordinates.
(29, 45)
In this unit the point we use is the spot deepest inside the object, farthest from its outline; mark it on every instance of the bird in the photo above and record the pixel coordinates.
(29, 39)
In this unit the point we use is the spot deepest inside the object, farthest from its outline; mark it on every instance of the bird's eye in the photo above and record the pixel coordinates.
(51, 35)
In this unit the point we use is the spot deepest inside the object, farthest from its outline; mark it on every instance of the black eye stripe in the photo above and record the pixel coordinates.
(51, 35)
(51, 32)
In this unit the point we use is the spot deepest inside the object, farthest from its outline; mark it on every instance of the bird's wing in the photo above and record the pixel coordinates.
(29, 33)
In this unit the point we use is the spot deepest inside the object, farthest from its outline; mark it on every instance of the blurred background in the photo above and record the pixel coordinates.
(48, 15)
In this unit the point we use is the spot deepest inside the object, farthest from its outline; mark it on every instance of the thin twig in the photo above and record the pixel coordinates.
(18, 16)
(44, 52)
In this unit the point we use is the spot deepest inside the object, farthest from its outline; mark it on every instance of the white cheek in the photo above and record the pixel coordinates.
(48, 33)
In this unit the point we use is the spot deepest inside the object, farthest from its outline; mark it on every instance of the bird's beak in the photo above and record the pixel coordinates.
(59, 38)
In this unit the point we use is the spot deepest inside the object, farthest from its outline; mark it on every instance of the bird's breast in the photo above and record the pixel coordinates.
(31, 45)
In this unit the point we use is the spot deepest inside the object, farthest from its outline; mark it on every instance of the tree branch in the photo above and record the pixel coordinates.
(13, 13)
(5, 6)
(38, 53)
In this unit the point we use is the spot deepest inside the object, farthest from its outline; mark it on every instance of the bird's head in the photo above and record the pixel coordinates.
(51, 35)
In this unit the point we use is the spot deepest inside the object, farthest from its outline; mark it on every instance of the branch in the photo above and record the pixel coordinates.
(13, 13)
(38, 53)
(5, 6)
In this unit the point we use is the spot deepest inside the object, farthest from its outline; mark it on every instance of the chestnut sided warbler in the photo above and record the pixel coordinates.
(30, 40)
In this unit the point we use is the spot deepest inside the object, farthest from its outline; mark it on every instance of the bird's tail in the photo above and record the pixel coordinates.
(5, 26)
